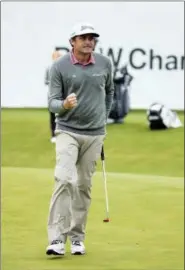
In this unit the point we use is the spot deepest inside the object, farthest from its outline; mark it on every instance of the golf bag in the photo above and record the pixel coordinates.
(160, 117)
(121, 100)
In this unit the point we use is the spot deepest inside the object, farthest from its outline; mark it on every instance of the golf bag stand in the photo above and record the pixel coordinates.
(121, 100)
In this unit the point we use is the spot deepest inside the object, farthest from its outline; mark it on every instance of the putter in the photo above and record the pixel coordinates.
(105, 186)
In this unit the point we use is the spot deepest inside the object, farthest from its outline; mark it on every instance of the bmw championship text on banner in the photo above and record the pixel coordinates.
(147, 37)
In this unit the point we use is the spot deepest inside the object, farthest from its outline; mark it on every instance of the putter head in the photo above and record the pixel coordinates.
(106, 220)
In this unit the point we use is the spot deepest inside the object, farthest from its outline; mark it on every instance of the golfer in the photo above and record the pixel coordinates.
(80, 93)
(55, 55)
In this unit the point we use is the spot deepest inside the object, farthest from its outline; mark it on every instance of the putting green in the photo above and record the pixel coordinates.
(146, 229)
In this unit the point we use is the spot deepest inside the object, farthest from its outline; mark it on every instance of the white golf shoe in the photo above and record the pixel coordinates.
(77, 248)
(57, 247)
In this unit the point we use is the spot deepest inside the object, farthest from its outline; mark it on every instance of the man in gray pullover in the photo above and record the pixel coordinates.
(80, 94)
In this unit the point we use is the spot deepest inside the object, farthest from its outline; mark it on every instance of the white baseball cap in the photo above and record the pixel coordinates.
(82, 29)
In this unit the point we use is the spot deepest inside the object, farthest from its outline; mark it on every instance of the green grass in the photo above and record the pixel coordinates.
(131, 147)
(146, 231)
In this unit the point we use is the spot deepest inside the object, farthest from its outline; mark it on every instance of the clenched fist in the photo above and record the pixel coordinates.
(70, 101)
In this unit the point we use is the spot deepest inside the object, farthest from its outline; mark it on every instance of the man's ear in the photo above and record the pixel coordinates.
(95, 43)
(72, 42)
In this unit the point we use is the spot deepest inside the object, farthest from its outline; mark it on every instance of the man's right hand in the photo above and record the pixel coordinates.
(70, 102)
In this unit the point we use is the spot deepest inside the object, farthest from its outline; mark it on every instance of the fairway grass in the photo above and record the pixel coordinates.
(146, 231)
(129, 148)
(145, 172)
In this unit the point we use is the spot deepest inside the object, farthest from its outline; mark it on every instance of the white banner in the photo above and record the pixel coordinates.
(147, 36)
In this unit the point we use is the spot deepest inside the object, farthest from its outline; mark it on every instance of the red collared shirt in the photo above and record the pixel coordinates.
(74, 61)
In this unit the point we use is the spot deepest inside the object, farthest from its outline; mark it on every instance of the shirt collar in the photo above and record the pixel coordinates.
(74, 61)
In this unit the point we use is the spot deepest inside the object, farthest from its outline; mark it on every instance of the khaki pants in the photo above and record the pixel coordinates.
(76, 157)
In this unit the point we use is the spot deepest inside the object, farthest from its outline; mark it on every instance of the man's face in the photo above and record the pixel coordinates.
(84, 43)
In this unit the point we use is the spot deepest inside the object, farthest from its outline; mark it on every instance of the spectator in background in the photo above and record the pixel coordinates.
(55, 55)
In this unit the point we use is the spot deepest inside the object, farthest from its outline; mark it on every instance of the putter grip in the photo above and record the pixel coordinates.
(102, 154)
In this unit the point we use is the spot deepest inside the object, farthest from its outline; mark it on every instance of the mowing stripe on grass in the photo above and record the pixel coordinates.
(169, 180)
